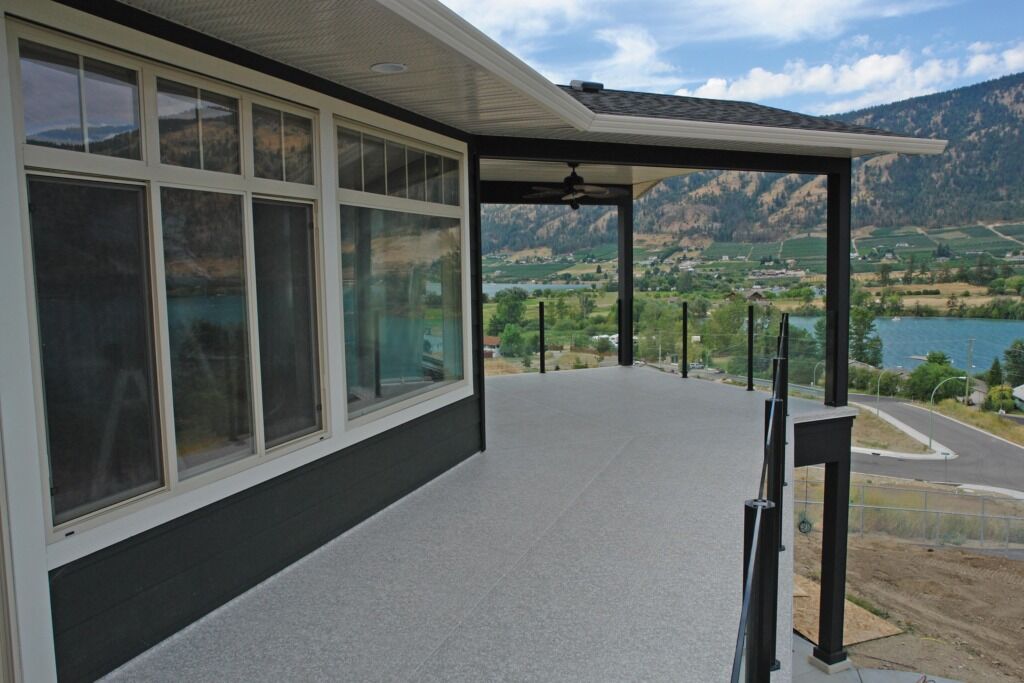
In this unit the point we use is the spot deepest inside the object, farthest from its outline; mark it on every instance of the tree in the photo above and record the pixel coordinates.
(586, 302)
(938, 358)
(1000, 397)
(511, 305)
(995, 373)
(602, 346)
(884, 273)
(1013, 372)
(512, 341)
(865, 344)
(926, 376)
(908, 274)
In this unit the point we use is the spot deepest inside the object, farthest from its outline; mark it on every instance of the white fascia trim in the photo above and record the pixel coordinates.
(857, 143)
(461, 36)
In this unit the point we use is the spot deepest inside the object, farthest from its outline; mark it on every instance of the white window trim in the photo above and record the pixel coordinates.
(155, 508)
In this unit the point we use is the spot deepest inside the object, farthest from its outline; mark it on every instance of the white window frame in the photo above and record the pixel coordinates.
(87, 35)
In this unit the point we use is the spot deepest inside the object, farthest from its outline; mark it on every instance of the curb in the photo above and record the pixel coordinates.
(939, 452)
(964, 424)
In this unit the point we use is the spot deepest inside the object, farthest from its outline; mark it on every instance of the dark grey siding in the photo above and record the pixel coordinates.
(114, 604)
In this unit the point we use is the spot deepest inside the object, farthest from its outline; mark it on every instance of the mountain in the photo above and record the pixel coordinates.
(980, 178)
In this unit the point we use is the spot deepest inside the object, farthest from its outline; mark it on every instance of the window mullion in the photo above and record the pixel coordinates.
(163, 343)
(252, 326)
(81, 102)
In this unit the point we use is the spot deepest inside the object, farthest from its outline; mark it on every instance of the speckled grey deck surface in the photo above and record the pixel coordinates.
(597, 539)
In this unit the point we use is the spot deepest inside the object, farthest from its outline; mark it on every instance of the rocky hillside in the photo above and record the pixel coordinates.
(979, 178)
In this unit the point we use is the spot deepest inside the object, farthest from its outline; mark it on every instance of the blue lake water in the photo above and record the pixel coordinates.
(492, 288)
(907, 337)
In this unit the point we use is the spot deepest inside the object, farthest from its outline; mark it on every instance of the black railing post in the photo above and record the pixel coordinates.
(684, 359)
(783, 391)
(750, 347)
(543, 347)
(759, 615)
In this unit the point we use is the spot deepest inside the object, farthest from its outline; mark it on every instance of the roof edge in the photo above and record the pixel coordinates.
(458, 34)
(859, 144)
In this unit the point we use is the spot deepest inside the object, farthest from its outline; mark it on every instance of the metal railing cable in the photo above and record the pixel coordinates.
(754, 654)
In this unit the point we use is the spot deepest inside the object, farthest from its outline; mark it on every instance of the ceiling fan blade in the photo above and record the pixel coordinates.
(546, 188)
(593, 190)
(573, 196)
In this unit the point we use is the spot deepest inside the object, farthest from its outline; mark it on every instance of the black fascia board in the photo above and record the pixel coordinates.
(614, 153)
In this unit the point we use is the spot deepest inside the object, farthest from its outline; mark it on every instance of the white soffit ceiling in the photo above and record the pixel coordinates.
(640, 178)
(478, 88)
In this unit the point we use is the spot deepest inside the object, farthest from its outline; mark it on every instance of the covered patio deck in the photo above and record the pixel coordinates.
(599, 537)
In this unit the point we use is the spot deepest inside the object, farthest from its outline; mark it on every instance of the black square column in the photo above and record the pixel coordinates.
(837, 284)
(626, 282)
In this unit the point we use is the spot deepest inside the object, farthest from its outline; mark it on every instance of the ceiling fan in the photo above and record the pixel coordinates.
(573, 189)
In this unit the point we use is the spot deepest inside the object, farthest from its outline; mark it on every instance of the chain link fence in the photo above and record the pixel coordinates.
(921, 515)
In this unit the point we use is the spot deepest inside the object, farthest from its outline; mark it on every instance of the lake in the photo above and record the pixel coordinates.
(492, 288)
(908, 337)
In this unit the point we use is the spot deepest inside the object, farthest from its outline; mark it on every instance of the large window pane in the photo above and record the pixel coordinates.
(111, 109)
(92, 291)
(286, 301)
(218, 119)
(266, 137)
(403, 304)
(350, 160)
(198, 128)
(51, 97)
(207, 327)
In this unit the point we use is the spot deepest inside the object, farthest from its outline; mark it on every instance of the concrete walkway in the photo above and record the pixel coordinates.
(804, 672)
(599, 538)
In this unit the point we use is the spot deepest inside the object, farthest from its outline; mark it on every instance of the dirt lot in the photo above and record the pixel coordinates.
(962, 612)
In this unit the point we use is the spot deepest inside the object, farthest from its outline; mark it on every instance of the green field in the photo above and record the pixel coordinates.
(804, 248)
(716, 250)
(762, 249)
(517, 272)
(602, 252)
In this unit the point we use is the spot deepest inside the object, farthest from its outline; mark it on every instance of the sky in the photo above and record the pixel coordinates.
(814, 56)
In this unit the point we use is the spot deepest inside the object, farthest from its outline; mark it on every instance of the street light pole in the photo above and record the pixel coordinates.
(931, 418)
(878, 393)
(814, 373)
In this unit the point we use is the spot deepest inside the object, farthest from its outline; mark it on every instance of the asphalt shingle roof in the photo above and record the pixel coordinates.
(627, 103)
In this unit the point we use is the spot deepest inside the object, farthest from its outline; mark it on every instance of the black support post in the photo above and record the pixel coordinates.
(540, 339)
(833, 562)
(837, 284)
(684, 358)
(759, 660)
(750, 347)
(626, 282)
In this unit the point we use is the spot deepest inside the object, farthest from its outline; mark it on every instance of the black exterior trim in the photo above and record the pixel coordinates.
(542, 149)
(201, 42)
(116, 603)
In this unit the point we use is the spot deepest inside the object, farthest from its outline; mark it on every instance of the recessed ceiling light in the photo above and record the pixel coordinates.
(389, 68)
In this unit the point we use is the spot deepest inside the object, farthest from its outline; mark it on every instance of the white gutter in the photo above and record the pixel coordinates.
(458, 34)
(862, 143)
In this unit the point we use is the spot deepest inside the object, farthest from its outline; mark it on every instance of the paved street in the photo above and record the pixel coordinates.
(983, 459)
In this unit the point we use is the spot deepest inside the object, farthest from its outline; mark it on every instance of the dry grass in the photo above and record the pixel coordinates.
(502, 366)
(870, 431)
(990, 422)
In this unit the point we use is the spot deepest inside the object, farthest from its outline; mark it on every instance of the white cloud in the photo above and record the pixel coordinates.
(872, 79)
(979, 46)
(523, 25)
(986, 61)
(635, 62)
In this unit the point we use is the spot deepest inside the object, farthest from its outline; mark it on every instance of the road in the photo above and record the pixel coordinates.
(982, 459)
